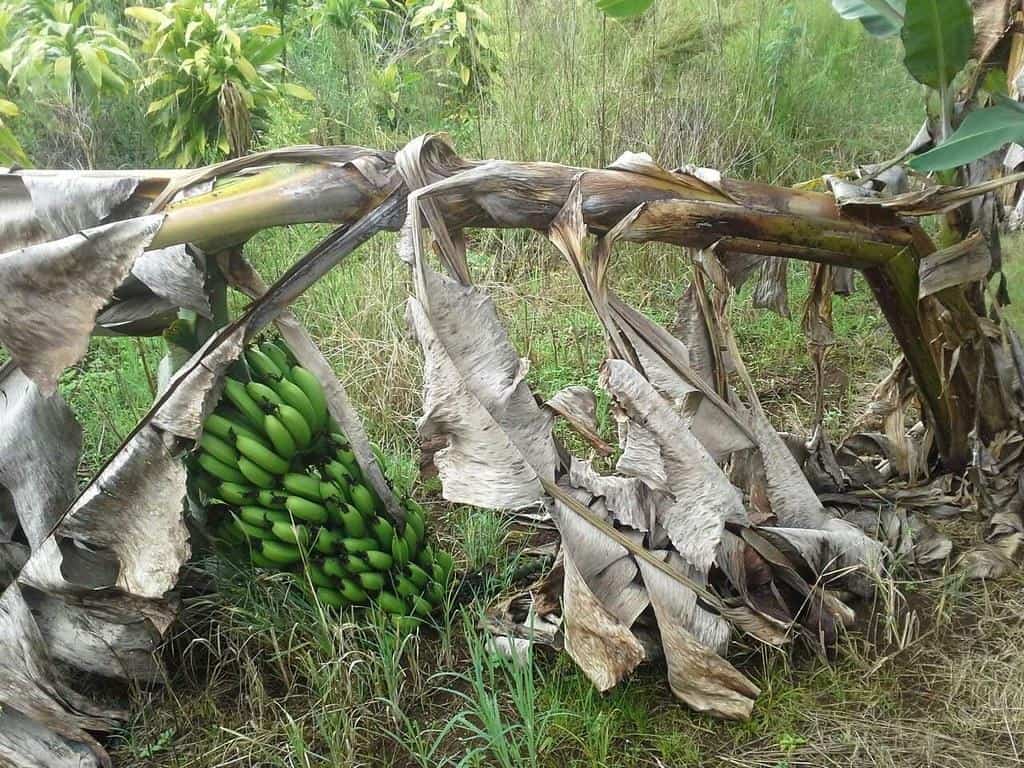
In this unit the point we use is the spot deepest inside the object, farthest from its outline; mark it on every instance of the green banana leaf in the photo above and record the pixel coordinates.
(937, 38)
(981, 132)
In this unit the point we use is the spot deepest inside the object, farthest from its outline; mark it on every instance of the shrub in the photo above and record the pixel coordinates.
(211, 75)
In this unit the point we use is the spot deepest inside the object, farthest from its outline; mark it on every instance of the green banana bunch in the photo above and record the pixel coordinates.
(273, 457)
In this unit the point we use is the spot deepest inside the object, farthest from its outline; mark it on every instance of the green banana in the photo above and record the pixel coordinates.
(356, 546)
(421, 607)
(293, 395)
(254, 473)
(260, 561)
(371, 581)
(384, 532)
(405, 587)
(339, 474)
(392, 604)
(271, 498)
(296, 424)
(446, 562)
(307, 510)
(279, 516)
(280, 437)
(275, 353)
(400, 551)
(378, 560)
(207, 484)
(346, 457)
(425, 558)
(355, 526)
(236, 493)
(265, 397)
(405, 625)
(237, 423)
(334, 515)
(434, 593)
(331, 492)
(415, 518)
(355, 564)
(353, 592)
(224, 428)
(251, 531)
(254, 515)
(314, 391)
(332, 567)
(280, 553)
(302, 485)
(417, 574)
(263, 365)
(437, 573)
(220, 470)
(292, 533)
(363, 500)
(409, 534)
(262, 456)
(235, 391)
(331, 597)
(328, 542)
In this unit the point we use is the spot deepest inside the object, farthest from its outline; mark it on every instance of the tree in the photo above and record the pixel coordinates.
(212, 72)
(59, 48)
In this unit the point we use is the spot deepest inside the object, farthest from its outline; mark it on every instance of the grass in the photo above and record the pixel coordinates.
(774, 90)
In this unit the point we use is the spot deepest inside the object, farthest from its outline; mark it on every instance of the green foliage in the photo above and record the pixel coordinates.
(212, 69)
(11, 150)
(937, 37)
(981, 132)
(881, 18)
(389, 86)
(57, 45)
(623, 9)
(372, 18)
(460, 32)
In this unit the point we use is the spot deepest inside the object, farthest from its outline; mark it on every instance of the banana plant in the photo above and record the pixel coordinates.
(60, 45)
(212, 74)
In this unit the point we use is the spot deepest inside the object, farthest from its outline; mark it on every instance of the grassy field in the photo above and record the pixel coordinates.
(773, 90)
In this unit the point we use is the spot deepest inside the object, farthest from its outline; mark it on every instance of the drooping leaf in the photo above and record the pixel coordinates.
(77, 275)
(937, 39)
(881, 18)
(982, 131)
(475, 395)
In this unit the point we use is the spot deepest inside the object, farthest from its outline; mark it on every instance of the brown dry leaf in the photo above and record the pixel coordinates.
(602, 646)
(578, 406)
(37, 207)
(662, 358)
(966, 261)
(817, 327)
(474, 394)
(697, 675)
(53, 291)
(702, 497)
(772, 290)
(40, 442)
(95, 592)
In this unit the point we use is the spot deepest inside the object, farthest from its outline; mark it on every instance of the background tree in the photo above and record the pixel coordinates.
(63, 52)
(211, 75)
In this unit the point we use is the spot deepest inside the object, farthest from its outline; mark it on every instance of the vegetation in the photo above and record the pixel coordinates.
(259, 676)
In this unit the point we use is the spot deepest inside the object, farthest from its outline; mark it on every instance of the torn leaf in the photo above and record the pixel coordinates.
(54, 290)
(499, 440)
